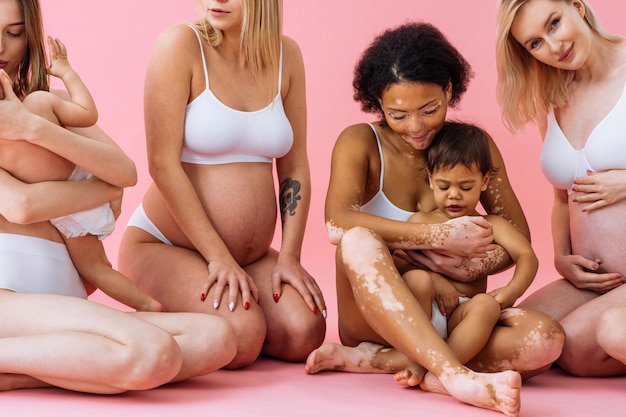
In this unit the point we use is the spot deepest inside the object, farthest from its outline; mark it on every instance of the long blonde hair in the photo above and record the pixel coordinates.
(527, 88)
(32, 71)
(261, 32)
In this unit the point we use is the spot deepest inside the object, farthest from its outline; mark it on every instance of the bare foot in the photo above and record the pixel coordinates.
(412, 376)
(499, 391)
(366, 358)
(10, 382)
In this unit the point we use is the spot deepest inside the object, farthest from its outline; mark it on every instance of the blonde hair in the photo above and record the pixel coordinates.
(527, 88)
(261, 32)
(32, 72)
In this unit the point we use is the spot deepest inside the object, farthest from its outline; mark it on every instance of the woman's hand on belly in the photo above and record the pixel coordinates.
(583, 274)
(601, 189)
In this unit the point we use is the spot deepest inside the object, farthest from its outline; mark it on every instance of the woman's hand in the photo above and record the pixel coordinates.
(15, 119)
(471, 237)
(291, 272)
(457, 267)
(580, 272)
(222, 274)
(600, 189)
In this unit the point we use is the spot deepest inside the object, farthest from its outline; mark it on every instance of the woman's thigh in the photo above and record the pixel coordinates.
(176, 277)
(557, 299)
(582, 354)
(33, 314)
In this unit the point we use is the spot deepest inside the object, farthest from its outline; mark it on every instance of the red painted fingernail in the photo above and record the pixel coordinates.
(275, 298)
(314, 309)
(202, 297)
(246, 305)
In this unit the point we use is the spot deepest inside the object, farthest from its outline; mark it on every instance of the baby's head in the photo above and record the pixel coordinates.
(459, 167)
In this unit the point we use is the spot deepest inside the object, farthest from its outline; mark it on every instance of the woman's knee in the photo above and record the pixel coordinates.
(297, 337)
(359, 243)
(541, 337)
(152, 359)
(611, 330)
(249, 330)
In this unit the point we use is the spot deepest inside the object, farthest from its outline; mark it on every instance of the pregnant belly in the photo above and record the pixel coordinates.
(600, 235)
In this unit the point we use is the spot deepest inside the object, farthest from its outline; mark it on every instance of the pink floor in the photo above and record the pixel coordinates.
(273, 388)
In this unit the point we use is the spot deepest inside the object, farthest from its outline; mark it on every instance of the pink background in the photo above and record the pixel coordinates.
(110, 44)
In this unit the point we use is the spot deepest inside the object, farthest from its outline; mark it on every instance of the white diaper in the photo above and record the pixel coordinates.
(439, 321)
(98, 221)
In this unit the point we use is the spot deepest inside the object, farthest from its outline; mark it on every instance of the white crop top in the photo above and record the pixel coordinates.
(605, 148)
(380, 205)
(218, 134)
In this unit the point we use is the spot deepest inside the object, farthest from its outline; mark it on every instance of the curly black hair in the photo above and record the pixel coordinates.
(413, 52)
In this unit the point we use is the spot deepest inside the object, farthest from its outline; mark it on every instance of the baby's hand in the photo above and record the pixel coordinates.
(59, 65)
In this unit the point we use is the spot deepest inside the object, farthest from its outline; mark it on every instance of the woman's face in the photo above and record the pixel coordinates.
(224, 15)
(554, 32)
(12, 37)
(415, 111)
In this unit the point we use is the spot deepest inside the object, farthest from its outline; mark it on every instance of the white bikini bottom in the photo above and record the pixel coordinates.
(34, 265)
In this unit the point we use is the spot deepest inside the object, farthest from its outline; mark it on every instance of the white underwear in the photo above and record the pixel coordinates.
(35, 265)
(98, 221)
(439, 321)
(140, 220)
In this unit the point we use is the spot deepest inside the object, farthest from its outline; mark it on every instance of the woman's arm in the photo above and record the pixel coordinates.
(24, 203)
(89, 148)
(167, 92)
(295, 186)
(350, 171)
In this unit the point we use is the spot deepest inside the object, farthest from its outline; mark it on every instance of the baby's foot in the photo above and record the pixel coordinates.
(412, 376)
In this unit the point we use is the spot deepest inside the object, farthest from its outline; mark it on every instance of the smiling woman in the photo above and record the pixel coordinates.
(559, 69)
(409, 76)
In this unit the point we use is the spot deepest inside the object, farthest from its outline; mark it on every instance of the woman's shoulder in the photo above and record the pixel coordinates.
(180, 35)
(357, 137)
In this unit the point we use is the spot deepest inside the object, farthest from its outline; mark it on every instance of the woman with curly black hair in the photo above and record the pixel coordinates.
(409, 76)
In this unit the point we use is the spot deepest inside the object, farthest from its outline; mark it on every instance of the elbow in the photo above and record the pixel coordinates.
(132, 175)
(129, 178)
(21, 210)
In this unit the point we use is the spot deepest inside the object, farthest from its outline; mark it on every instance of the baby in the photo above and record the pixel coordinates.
(84, 231)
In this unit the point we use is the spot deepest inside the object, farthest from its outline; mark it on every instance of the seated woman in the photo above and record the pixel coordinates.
(558, 68)
(89, 347)
(377, 182)
(216, 122)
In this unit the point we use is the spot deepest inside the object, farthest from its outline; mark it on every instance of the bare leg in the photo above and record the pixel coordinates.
(366, 358)
(176, 276)
(392, 311)
(293, 330)
(611, 333)
(581, 314)
(119, 352)
(207, 343)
